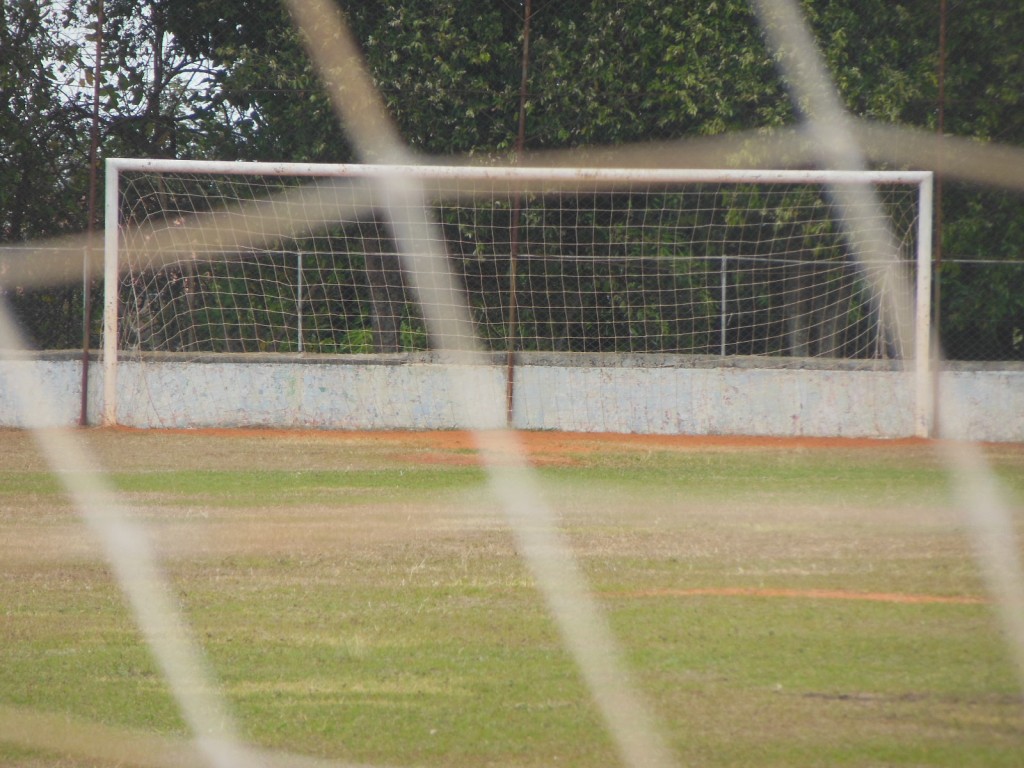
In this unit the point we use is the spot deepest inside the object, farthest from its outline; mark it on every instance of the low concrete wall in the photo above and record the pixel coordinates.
(54, 380)
(717, 401)
(591, 393)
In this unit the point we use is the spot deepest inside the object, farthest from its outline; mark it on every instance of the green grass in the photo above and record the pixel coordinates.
(364, 605)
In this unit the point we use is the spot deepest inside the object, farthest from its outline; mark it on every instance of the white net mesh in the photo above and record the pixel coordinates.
(683, 268)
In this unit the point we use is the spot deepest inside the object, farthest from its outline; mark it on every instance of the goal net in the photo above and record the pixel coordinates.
(631, 265)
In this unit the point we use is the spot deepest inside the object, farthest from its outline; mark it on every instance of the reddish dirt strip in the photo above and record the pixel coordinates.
(808, 594)
(553, 442)
(548, 442)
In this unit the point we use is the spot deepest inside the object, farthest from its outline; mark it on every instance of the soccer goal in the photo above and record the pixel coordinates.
(263, 281)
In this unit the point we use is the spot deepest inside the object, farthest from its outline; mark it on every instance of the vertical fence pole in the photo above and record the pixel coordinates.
(298, 297)
(722, 306)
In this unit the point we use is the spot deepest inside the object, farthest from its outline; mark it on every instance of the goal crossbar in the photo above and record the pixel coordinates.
(554, 174)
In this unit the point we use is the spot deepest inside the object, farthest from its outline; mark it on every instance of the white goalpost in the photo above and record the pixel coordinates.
(235, 263)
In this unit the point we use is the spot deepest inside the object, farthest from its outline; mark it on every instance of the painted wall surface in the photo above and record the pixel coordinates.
(728, 400)
(297, 396)
(50, 393)
(716, 401)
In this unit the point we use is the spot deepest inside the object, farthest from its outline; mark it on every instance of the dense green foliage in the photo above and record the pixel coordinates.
(230, 79)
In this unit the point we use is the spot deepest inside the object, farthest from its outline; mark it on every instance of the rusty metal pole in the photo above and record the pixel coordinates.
(83, 417)
(517, 210)
(937, 236)
(941, 128)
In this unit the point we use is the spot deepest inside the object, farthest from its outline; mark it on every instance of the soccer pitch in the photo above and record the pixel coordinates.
(360, 599)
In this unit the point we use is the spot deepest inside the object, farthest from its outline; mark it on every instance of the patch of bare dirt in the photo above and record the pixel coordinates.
(461, 447)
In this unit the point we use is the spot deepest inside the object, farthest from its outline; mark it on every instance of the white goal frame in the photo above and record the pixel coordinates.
(570, 178)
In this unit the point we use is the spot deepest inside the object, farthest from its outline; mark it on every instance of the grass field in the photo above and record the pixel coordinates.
(360, 599)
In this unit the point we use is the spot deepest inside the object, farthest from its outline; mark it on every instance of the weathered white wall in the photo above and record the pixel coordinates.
(705, 396)
(716, 401)
(274, 395)
(54, 383)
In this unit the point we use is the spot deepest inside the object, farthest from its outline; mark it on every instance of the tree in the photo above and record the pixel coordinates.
(230, 79)
(43, 141)
(606, 72)
(156, 100)
(446, 70)
(982, 311)
(41, 123)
